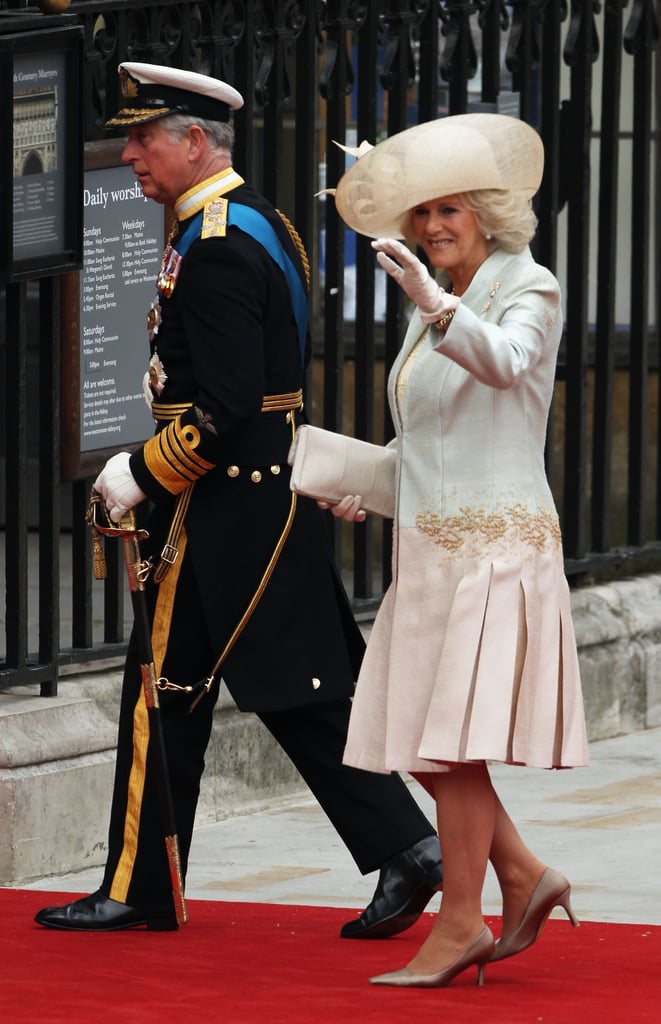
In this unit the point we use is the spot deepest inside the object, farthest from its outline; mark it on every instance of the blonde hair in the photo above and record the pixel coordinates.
(506, 216)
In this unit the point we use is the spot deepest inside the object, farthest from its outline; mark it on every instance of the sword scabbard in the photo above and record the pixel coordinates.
(174, 861)
(137, 571)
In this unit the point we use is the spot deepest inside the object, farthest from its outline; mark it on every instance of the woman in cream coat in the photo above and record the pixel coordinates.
(472, 656)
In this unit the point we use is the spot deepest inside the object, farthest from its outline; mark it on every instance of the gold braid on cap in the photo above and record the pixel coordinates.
(129, 115)
(298, 242)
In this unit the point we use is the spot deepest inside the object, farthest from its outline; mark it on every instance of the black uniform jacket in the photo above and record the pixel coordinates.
(227, 339)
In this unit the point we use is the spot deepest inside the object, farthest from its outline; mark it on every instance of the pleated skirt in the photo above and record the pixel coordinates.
(471, 660)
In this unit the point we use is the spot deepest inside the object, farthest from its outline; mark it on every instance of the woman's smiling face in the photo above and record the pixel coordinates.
(447, 231)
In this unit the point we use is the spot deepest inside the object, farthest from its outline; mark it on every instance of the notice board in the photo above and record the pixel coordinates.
(41, 148)
(105, 305)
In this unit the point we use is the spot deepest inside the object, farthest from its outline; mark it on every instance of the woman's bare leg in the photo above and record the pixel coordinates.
(517, 869)
(466, 811)
(473, 827)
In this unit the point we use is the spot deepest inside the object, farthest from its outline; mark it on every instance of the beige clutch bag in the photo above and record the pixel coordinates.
(328, 466)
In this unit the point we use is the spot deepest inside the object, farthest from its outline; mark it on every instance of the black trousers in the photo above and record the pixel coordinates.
(375, 815)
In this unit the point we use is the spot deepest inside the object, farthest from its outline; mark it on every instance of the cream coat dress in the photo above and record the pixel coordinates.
(472, 655)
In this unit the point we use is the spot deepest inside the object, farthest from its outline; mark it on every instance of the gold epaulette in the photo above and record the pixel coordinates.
(214, 218)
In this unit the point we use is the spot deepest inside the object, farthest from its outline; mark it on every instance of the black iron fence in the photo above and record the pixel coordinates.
(312, 74)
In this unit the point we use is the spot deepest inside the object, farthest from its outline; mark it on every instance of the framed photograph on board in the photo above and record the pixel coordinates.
(41, 152)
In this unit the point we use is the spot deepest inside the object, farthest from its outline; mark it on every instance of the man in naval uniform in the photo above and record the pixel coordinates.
(243, 584)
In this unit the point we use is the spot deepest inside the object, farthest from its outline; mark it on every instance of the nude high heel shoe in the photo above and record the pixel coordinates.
(478, 953)
(551, 891)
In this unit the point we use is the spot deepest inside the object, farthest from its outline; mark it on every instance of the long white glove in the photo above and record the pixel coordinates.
(412, 275)
(348, 508)
(116, 485)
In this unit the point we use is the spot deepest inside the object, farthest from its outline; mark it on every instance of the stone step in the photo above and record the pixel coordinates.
(57, 759)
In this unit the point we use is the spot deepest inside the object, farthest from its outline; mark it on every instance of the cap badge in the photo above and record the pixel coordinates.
(127, 84)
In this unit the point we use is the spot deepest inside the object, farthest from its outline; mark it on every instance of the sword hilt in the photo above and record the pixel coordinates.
(125, 529)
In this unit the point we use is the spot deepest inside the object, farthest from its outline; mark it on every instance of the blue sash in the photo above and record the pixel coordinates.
(257, 226)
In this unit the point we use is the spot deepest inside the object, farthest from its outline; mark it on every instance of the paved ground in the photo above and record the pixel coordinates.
(600, 825)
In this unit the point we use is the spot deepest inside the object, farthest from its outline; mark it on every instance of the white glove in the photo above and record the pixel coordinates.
(412, 275)
(116, 485)
(348, 508)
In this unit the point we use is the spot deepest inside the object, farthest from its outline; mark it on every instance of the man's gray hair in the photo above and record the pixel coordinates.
(219, 133)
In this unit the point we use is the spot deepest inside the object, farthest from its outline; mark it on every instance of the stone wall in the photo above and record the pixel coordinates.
(618, 631)
(57, 755)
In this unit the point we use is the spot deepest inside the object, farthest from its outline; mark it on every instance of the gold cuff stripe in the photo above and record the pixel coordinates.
(168, 473)
(179, 444)
(171, 459)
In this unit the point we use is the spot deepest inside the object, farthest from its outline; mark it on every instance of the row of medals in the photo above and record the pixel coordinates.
(215, 223)
(165, 284)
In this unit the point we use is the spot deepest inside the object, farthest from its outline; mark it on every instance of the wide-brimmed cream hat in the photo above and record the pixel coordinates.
(152, 91)
(444, 157)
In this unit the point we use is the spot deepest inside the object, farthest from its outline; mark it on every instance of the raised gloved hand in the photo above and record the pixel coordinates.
(348, 508)
(412, 275)
(116, 485)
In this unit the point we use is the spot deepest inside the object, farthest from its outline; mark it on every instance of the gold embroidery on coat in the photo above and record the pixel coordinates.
(539, 530)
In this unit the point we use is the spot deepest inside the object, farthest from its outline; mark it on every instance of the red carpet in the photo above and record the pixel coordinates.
(239, 963)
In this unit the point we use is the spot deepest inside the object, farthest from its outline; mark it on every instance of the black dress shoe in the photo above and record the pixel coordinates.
(98, 913)
(406, 884)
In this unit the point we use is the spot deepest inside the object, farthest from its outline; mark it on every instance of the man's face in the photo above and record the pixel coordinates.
(159, 161)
